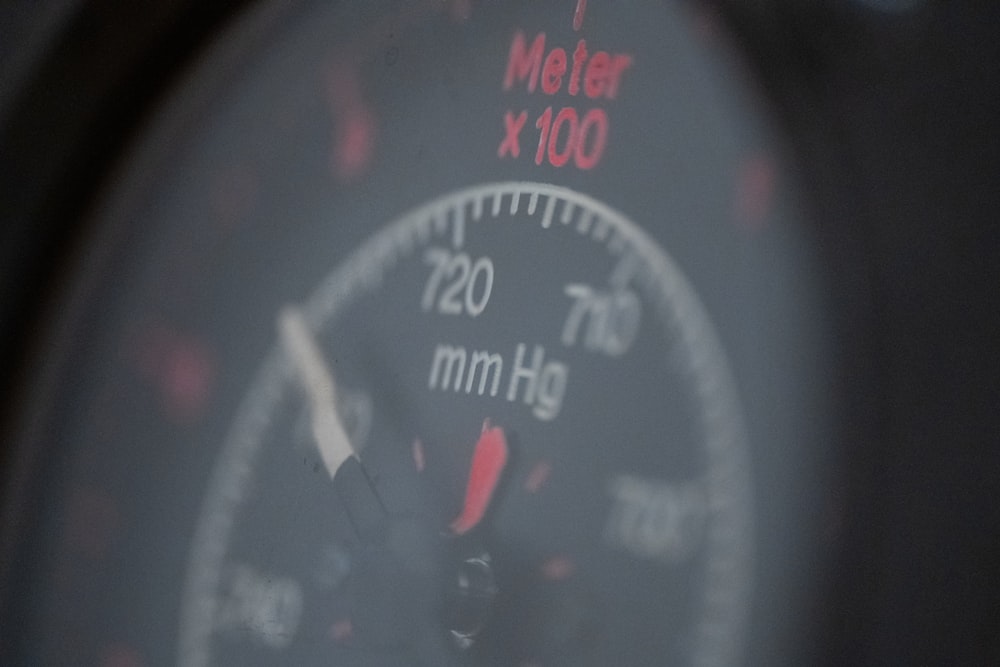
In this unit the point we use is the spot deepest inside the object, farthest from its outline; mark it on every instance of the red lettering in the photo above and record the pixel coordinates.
(596, 120)
(598, 75)
(552, 73)
(543, 123)
(564, 134)
(513, 126)
(595, 80)
(582, 141)
(567, 116)
(579, 56)
(524, 64)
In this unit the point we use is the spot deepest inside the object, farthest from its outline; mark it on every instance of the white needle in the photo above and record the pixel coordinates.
(328, 431)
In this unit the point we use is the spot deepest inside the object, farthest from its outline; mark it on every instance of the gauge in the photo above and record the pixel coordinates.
(550, 469)
(439, 334)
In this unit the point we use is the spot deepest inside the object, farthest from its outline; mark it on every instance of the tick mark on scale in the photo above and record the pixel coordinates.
(601, 230)
(458, 228)
(567, 213)
(550, 208)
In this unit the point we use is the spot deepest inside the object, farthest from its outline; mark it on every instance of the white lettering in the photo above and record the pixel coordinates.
(545, 383)
(489, 363)
(446, 359)
(522, 371)
(455, 368)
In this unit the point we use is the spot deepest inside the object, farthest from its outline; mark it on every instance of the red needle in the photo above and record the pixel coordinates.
(488, 462)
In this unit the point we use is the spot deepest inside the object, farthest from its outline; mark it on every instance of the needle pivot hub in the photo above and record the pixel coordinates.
(472, 590)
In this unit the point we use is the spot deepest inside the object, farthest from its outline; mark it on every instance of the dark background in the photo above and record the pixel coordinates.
(896, 121)
(892, 112)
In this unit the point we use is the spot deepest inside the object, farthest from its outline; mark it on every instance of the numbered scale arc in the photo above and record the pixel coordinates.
(688, 344)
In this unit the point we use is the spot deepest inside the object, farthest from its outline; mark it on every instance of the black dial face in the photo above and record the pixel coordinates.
(439, 334)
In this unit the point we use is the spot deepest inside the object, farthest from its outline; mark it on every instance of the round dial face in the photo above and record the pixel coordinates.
(436, 334)
(534, 458)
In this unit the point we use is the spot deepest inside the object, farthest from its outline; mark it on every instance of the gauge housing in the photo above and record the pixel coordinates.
(881, 157)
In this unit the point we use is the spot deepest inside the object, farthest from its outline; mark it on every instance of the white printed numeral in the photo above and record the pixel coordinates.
(607, 322)
(654, 519)
(457, 284)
